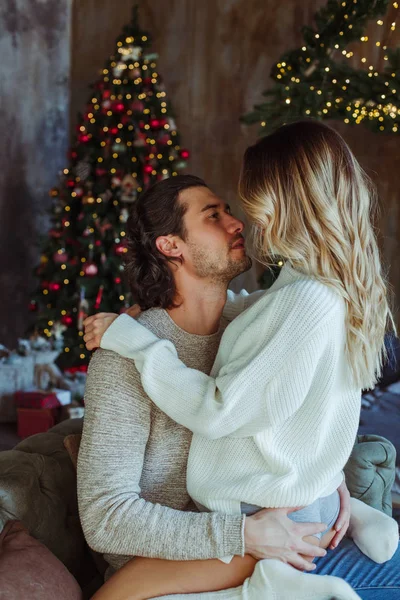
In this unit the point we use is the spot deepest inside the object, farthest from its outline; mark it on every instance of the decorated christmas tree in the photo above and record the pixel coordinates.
(325, 79)
(126, 140)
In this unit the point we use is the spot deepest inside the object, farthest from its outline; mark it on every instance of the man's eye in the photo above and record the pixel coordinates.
(214, 216)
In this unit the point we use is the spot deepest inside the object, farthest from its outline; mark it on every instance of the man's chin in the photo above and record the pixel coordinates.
(241, 266)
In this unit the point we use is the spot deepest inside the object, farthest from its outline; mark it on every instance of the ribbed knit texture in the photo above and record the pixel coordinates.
(275, 422)
(132, 491)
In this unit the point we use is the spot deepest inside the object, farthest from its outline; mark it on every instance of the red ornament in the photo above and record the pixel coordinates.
(119, 107)
(73, 154)
(117, 280)
(114, 130)
(99, 297)
(100, 171)
(71, 183)
(185, 153)
(155, 123)
(137, 106)
(54, 233)
(98, 243)
(72, 370)
(120, 249)
(164, 139)
(83, 138)
(90, 269)
(106, 94)
(54, 287)
(67, 320)
(148, 169)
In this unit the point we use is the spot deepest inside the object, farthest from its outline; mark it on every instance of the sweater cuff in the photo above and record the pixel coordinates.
(126, 333)
(234, 535)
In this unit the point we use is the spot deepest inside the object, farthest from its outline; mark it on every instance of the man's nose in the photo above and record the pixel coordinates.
(235, 225)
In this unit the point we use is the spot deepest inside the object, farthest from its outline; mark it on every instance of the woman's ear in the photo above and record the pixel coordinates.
(169, 246)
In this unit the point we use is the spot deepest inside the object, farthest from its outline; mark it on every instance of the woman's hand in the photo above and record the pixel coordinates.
(271, 534)
(343, 519)
(95, 327)
(134, 311)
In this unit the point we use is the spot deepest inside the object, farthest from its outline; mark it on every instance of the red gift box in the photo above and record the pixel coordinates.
(36, 399)
(33, 420)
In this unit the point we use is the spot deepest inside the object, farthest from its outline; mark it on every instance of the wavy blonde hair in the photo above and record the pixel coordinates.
(310, 203)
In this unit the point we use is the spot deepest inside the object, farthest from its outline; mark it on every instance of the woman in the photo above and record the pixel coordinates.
(275, 423)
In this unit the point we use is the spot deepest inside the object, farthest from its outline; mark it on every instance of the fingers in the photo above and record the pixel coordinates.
(311, 550)
(338, 536)
(134, 311)
(300, 562)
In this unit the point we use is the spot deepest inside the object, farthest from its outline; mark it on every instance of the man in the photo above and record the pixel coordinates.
(184, 249)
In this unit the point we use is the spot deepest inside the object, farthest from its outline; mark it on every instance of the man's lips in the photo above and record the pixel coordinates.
(238, 244)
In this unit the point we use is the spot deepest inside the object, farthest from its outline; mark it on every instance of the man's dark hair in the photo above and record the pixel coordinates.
(156, 212)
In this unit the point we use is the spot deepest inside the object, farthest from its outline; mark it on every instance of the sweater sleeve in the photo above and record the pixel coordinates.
(115, 519)
(267, 378)
(237, 303)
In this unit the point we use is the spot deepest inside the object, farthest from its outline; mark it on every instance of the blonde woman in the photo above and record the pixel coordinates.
(275, 422)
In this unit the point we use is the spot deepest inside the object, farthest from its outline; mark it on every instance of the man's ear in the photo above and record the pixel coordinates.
(169, 245)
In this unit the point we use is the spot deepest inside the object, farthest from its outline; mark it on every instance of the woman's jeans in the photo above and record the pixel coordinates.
(370, 580)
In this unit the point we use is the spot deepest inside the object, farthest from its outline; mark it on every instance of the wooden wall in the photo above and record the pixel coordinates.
(34, 104)
(215, 57)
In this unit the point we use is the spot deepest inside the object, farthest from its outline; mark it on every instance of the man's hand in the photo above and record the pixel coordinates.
(343, 520)
(271, 534)
(95, 326)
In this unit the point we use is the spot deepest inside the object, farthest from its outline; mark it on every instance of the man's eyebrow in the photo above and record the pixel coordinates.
(214, 206)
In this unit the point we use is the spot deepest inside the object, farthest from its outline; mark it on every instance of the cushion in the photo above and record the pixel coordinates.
(71, 444)
(29, 570)
(370, 471)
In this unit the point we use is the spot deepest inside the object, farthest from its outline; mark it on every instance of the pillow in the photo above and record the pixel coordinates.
(71, 444)
(29, 570)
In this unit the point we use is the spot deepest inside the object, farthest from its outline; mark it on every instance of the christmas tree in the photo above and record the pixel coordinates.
(322, 80)
(126, 140)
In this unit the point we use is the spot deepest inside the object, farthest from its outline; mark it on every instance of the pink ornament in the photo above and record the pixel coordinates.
(148, 169)
(78, 192)
(90, 269)
(185, 153)
(60, 257)
(54, 287)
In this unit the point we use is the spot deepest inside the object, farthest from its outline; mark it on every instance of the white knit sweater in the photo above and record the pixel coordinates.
(275, 422)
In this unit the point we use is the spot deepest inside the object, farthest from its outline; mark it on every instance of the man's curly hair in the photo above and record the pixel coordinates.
(157, 212)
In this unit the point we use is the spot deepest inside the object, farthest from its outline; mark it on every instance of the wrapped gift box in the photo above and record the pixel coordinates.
(35, 420)
(14, 375)
(42, 399)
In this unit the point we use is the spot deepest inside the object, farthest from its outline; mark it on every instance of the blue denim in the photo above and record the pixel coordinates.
(370, 580)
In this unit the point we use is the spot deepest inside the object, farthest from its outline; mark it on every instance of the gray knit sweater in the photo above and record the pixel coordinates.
(132, 463)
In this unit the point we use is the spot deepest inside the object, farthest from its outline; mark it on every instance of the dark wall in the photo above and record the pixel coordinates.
(215, 57)
(34, 105)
